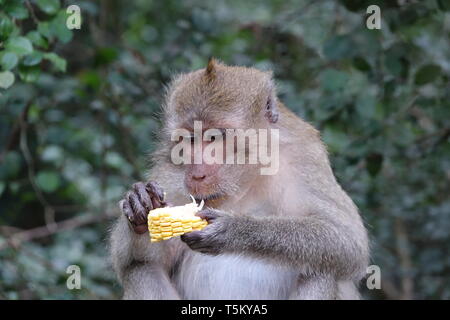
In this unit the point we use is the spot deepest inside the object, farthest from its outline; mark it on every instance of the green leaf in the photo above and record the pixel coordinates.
(57, 61)
(19, 45)
(8, 60)
(10, 166)
(427, 74)
(6, 26)
(339, 47)
(59, 28)
(397, 66)
(48, 6)
(37, 39)
(335, 138)
(29, 74)
(365, 105)
(91, 79)
(44, 29)
(48, 181)
(105, 56)
(334, 80)
(17, 10)
(32, 59)
(6, 79)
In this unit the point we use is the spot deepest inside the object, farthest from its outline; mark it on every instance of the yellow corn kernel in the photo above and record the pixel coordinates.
(166, 234)
(168, 222)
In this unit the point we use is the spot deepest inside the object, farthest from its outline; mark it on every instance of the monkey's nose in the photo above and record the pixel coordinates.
(198, 177)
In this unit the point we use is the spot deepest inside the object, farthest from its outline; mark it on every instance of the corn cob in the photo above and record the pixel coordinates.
(168, 222)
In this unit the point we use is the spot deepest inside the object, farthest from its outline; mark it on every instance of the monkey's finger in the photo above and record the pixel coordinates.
(139, 213)
(140, 229)
(143, 195)
(192, 238)
(128, 212)
(208, 214)
(196, 241)
(156, 203)
(157, 194)
(155, 190)
(126, 209)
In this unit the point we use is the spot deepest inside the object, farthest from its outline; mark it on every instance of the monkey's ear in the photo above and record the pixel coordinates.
(210, 71)
(271, 111)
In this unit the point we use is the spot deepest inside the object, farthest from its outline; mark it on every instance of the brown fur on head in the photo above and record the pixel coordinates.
(221, 97)
(210, 73)
(239, 94)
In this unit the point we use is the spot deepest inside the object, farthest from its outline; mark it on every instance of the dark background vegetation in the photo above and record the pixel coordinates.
(78, 120)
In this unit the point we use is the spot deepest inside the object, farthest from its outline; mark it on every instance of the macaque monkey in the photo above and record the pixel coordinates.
(291, 234)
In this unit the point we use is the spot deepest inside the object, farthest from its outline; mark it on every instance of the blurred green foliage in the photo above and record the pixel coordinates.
(78, 114)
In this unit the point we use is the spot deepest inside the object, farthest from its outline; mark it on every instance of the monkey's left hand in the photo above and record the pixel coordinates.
(213, 239)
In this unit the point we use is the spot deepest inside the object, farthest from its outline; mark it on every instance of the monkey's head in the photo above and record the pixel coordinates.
(220, 99)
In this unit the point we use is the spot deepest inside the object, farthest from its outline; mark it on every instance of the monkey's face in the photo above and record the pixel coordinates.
(215, 163)
(203, 111)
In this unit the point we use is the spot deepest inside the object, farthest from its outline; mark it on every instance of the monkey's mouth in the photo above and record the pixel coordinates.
(209, 197)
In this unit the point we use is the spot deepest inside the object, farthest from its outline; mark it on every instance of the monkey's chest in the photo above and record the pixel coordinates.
(233, 277)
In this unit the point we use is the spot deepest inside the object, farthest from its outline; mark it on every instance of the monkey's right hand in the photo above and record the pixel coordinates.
(142, 198)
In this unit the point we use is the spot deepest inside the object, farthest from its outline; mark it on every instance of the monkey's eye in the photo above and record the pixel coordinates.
(219, 135)
(186, 139)
(189, 139)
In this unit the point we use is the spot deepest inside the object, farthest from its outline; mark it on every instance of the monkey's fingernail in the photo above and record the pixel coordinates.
(140, 229)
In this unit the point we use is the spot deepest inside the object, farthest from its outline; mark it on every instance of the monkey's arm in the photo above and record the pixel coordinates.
(142, 269)
(324, 243)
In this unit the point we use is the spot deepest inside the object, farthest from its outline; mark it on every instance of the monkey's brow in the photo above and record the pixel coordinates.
(222, 130)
